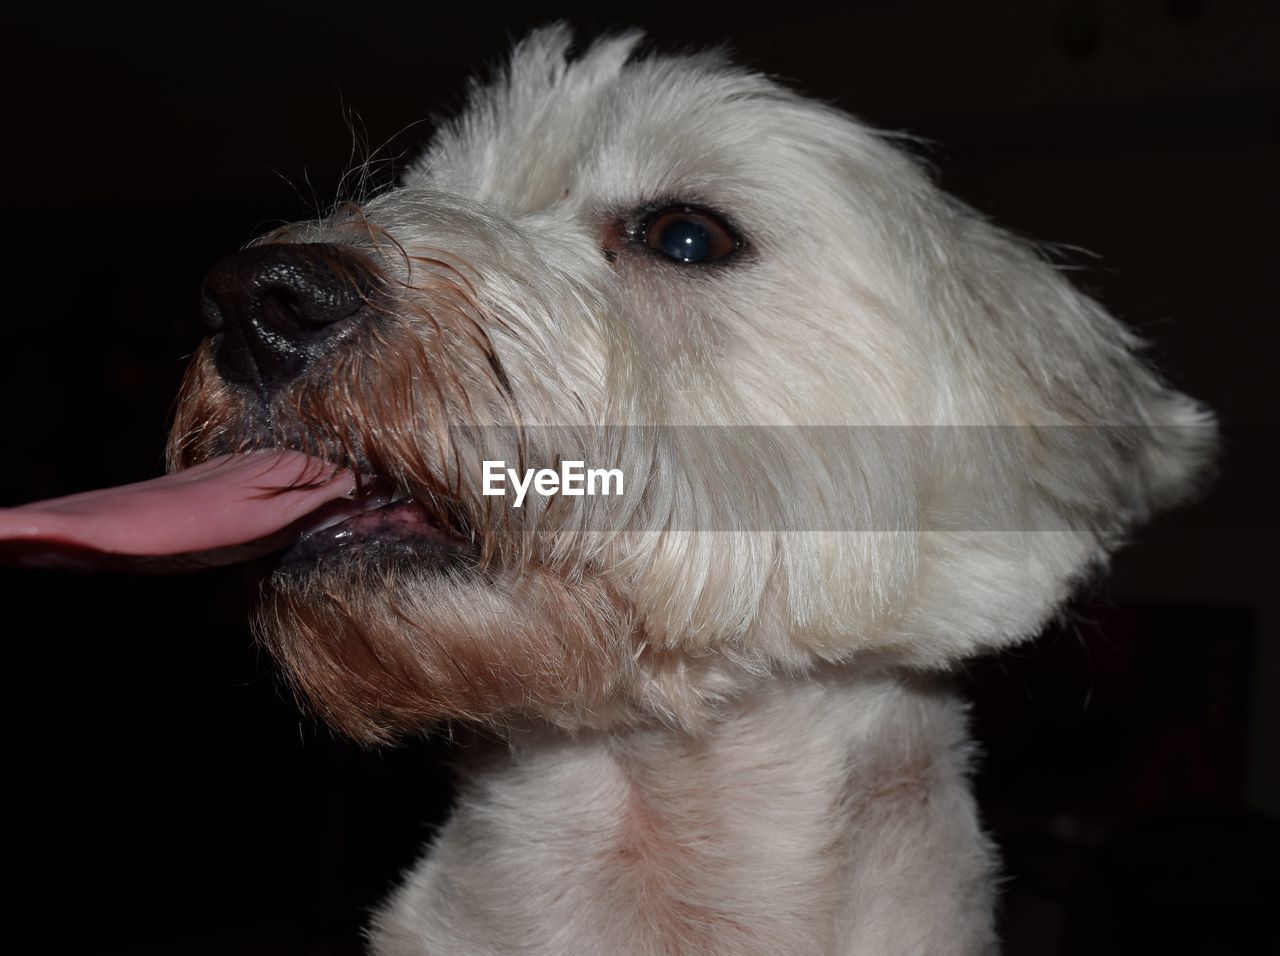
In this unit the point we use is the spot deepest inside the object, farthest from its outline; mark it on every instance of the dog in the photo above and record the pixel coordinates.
(864, 433)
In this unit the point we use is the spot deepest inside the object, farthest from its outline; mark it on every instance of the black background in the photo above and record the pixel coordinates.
(165, 795)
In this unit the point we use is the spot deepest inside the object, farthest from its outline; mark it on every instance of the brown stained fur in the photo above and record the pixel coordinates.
(382, 650)
(386, 653)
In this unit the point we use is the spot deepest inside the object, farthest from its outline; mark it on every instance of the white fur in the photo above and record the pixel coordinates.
(826, 816)
(772, 774)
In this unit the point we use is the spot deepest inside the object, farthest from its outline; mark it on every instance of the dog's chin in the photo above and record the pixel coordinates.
(387, 625)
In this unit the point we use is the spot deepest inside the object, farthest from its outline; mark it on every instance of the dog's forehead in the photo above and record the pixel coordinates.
(601, 130)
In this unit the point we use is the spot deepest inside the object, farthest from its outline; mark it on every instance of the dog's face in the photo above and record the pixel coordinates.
(856, 422)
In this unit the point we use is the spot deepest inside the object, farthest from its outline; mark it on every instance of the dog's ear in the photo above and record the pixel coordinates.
(1109, 442)
(1076, 441)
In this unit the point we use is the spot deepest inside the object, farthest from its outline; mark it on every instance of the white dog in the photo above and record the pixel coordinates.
(864, 435)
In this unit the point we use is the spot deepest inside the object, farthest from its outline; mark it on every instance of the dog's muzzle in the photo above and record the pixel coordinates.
(275, 308)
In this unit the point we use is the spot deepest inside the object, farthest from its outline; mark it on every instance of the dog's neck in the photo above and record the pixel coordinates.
(818, 816)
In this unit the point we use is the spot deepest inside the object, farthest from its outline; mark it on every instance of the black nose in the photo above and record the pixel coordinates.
(279, 306)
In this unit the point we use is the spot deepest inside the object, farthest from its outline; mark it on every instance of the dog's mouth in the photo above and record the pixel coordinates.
(379, 522)
(230, 509)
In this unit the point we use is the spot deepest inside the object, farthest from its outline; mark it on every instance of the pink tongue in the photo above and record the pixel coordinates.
(222, 503)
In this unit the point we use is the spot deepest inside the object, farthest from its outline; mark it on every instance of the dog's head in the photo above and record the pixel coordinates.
(856, 422)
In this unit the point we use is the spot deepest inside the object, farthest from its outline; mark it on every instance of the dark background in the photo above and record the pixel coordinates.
(164, 794)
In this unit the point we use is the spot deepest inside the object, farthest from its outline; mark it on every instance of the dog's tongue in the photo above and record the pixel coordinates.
(224, 510)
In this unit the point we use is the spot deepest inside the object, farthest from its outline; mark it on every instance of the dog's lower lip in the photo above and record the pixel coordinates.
(381, 520)
(374, 495)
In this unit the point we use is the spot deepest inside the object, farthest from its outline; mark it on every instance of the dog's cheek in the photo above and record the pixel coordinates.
(385, 654)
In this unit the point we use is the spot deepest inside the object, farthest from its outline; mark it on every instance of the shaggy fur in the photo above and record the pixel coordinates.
(883, 436)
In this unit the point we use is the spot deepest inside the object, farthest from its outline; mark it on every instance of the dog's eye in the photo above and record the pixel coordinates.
(690, 235)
